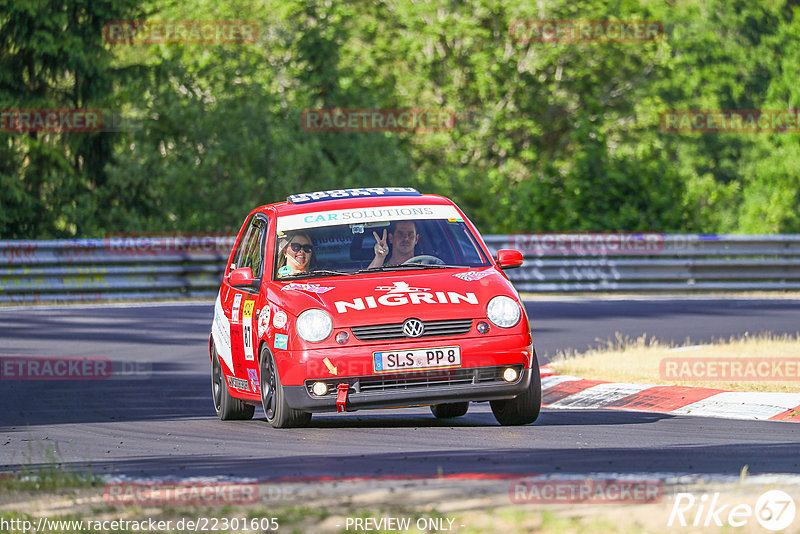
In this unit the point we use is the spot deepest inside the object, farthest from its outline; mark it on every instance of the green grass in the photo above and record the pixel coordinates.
(638, 360)
(44, 470)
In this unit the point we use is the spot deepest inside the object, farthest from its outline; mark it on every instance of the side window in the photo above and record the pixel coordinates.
(250, 253)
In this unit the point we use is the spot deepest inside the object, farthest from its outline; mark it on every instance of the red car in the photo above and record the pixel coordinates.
(369, 298)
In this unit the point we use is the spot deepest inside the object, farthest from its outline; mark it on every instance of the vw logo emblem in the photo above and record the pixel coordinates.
(413, 328)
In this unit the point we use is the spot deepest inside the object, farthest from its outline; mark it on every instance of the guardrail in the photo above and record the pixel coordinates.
(112, 268)
(167, 267)
(653, 262)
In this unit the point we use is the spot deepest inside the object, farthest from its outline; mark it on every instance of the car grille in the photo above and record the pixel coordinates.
(416, 381)
(378, 332)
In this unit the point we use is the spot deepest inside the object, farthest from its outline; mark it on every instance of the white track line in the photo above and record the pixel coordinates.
(742, 405)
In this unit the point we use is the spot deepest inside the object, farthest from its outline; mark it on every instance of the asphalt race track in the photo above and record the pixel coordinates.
(162, 424)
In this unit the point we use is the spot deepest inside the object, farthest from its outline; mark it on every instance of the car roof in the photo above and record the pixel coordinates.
(396, 198)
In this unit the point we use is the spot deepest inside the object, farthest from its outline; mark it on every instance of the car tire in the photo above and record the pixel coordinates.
(273, 398)
(228, 408)
(449, 410)
(524, 408)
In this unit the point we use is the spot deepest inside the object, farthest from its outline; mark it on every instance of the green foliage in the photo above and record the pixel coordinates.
(548, 137)
(52, 56)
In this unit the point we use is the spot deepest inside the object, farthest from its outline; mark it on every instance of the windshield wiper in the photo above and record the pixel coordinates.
(412, 266)
(319, 272)
(432, 265)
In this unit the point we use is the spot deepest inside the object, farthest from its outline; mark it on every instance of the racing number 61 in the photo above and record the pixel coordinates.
(248, 334)
(247, 329)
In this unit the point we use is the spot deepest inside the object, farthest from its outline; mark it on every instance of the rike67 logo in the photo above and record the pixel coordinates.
(774, 510)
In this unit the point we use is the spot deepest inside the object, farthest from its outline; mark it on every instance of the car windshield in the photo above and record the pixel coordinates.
(315, 247)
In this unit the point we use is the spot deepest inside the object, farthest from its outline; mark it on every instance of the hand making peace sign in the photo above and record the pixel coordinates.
(381, 248)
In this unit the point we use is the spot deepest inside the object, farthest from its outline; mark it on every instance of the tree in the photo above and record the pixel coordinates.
(52, 56)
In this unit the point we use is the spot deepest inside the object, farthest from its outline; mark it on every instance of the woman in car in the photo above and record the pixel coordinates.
(296, 254)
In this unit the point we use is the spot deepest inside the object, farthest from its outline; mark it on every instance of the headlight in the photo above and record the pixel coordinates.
(314, 325)
(503, 311)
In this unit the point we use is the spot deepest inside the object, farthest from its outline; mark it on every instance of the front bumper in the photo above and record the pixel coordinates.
(411, 389)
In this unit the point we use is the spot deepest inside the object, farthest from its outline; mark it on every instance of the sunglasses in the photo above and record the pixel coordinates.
(297, 246)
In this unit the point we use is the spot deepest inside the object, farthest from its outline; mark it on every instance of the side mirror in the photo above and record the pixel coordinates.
(242, 277)
(509, 259)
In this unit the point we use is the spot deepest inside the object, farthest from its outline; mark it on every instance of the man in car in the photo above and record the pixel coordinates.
(403, 237)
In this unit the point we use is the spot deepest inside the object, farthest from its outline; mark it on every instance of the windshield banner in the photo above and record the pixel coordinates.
(364, 215)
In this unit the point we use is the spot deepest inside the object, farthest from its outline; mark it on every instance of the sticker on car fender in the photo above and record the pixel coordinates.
(255, 384)
(279, 319)
(415, 359)
(247, 330)
(237, 299)
(281, 341)
(472, 276)
(238, 383)
(310, 288)
(263, 321)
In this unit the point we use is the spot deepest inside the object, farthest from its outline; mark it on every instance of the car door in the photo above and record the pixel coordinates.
(240, 302)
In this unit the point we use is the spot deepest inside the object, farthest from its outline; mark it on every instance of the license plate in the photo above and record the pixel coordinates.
(413, 359)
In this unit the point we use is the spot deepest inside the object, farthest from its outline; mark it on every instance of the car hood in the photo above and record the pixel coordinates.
(395, 296)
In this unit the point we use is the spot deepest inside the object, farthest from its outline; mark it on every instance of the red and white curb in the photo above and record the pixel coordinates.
(571, 392)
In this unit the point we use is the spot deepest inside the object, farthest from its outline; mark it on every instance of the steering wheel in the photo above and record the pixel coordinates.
(427, 259)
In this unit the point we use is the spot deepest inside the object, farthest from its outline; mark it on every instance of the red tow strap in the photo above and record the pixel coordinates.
(341, 397)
